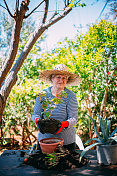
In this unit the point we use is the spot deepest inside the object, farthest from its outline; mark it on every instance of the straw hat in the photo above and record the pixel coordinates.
(60, 69)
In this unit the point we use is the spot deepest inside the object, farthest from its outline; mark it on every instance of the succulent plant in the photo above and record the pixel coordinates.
(105, 138)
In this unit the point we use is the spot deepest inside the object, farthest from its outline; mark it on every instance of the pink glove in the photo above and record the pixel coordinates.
(65, 124)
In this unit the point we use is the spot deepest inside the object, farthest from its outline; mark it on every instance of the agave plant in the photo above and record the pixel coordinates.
(105, 138)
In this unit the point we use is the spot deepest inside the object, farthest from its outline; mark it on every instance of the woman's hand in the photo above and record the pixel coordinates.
(65, 124)
(37, 120)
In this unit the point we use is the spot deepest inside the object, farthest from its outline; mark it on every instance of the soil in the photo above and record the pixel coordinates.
(62, 160)
(49, 125)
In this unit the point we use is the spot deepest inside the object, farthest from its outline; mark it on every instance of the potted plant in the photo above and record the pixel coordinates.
(47, 124)
(106, 143)
(49, 145)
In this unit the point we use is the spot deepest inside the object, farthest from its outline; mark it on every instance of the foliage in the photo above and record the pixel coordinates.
(52, 159)
(75, 3)
(113, 8)
(82, 125)
(105, 138)
(20, 105)
(20, 102)
(93, 57)
(12, 64)
(49, 105)
(21, 44)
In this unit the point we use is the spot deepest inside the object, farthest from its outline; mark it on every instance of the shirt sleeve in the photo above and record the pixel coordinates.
(72, 110)
(37, 110)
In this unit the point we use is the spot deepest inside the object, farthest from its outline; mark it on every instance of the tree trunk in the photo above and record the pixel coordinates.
(8, 74)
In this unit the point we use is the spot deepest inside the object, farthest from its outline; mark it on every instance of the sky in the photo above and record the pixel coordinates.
(77, 19)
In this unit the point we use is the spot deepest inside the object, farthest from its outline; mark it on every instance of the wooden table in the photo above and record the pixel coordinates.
(11, 165)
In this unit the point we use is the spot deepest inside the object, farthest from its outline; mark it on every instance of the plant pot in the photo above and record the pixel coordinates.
(49, 145)
(49, 125)
(107, 154)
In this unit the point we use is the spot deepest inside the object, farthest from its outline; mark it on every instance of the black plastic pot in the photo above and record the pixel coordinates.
(49, 125)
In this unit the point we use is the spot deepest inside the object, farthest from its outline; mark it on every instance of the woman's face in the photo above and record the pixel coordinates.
(59, 81)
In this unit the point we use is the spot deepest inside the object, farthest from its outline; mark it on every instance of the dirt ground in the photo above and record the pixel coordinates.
(18, 139)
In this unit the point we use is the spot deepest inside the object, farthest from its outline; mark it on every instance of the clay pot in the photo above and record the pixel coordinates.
(49, 145)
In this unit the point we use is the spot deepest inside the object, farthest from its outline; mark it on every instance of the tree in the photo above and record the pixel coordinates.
(113, 8)
(8, 73)
(112, 5)
(28, 27)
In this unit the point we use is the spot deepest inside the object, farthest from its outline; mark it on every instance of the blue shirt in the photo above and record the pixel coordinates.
(66, 110)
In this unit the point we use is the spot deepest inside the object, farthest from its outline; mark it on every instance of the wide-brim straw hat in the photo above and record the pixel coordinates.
(60, 69)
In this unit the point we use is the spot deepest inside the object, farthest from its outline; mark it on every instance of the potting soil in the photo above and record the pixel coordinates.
(63, 159)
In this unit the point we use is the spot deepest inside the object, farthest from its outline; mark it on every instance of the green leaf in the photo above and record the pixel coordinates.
(96, 129)
(47, 114)
(64, 94)
(44, 105)
(93, 139)
(115, 131)
(115, 138)
(108, 127)
(103, 126)
(51, 108)
(86, 149)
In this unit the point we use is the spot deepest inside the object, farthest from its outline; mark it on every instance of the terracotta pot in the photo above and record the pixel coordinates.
(49, 145)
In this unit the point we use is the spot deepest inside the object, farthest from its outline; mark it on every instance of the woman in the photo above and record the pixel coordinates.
(67, 110)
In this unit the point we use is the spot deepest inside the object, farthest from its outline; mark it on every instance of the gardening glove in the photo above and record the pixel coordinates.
(65, 124)
(37, 119)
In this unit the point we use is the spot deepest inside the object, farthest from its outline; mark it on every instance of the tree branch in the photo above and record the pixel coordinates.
(17, 6)
(14, 43)
(33, 10)
(67, 2)
(46, 11)
(8, 9)
(37, 33)
(3, 7)
(58, 17)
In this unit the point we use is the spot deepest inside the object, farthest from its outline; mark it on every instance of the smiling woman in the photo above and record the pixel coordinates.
(67, 111)
(59, 83)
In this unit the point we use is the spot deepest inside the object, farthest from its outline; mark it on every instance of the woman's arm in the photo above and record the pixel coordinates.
(37, 110)
(72, 110)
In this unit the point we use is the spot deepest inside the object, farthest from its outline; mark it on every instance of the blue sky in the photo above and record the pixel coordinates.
(68, 26)
(78, 17)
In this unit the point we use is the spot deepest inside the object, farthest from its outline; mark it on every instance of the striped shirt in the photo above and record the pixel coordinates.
(66, 110)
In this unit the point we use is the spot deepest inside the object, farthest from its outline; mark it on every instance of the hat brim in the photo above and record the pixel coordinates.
(73, 79)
